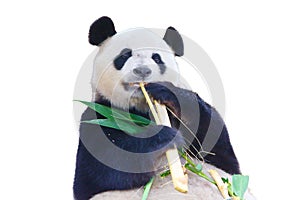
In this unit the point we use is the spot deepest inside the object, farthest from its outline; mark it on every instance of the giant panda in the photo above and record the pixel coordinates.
(123, 60)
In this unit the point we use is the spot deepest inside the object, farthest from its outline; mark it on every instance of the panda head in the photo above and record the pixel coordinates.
(127, 58)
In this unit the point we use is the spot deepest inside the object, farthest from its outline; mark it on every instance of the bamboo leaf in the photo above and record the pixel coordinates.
(103, 110)
(198, 167)
(103, 122)
(147, 189)
(130, 128)
(119, 125)
(229, 186)
(239, 184)
(166, 173)
(199, 173)
(141, 120)
(225, 180)
(112, 113)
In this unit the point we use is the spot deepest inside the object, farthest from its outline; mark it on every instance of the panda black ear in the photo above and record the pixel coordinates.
(100, 30)
(174, 40)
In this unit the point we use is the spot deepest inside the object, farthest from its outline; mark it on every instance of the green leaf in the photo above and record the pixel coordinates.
(229, 187)
(199, 173)
(108, 112)
(119, 125)
(164, 174)
(103, 110)
(239, 185)
(184, 155)
(113, 113)
(198, 167)
(130, 127)
(225, 180)
(103, 122)
(117, 119)
(147, 189)
(140, 120)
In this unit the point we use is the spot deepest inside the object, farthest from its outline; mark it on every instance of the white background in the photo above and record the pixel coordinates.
(255, 46)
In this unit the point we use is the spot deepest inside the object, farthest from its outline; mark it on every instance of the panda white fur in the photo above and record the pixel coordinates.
(123, 60)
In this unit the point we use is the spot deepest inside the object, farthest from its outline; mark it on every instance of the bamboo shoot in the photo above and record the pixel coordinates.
(180, 180)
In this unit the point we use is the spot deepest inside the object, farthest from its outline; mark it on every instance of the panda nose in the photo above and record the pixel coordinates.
(142, 71)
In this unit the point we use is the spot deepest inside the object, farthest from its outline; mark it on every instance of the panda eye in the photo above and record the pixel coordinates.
(156, 57)
(121, 59)
(126, 53)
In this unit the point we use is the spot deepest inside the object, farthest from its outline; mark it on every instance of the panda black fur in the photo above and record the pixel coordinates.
(122, 57)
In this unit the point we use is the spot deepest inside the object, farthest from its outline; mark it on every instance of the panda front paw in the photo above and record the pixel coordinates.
(154, 147)
(167, 138)
(154, 138)
(181, 101)
(165, 93)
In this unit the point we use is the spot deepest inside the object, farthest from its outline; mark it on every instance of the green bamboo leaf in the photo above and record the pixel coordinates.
(225, 180)
(147, 189)
(229, 186)
(141, 120)
(104, 122)
(112, 113)
(188, 166)
(239, 184)
(165, 173)
(198, 167)
(131, 117)
(103, 110)
(130, 128)
(184, 155)
(119, 125)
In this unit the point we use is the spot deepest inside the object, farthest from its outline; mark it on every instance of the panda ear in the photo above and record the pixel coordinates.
(174, 40)
(100, 30)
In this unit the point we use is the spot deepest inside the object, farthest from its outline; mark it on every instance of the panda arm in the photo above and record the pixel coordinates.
(93, 175)
(203, 120)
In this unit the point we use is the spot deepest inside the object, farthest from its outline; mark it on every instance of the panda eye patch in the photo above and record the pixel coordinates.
(157, 59)
(121, 59)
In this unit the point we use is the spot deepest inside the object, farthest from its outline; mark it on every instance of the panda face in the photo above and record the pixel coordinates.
(127, 58)
(142, 70)
(140, 66)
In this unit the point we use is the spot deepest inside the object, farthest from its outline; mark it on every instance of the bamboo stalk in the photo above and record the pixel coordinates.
(162, 114)
(180, 180)
(153, 111)
(221, 185)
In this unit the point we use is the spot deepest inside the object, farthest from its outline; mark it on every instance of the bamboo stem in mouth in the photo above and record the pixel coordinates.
(160, 114)
(153, 111)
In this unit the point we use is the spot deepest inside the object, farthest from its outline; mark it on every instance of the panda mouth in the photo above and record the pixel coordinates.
(132, 85)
